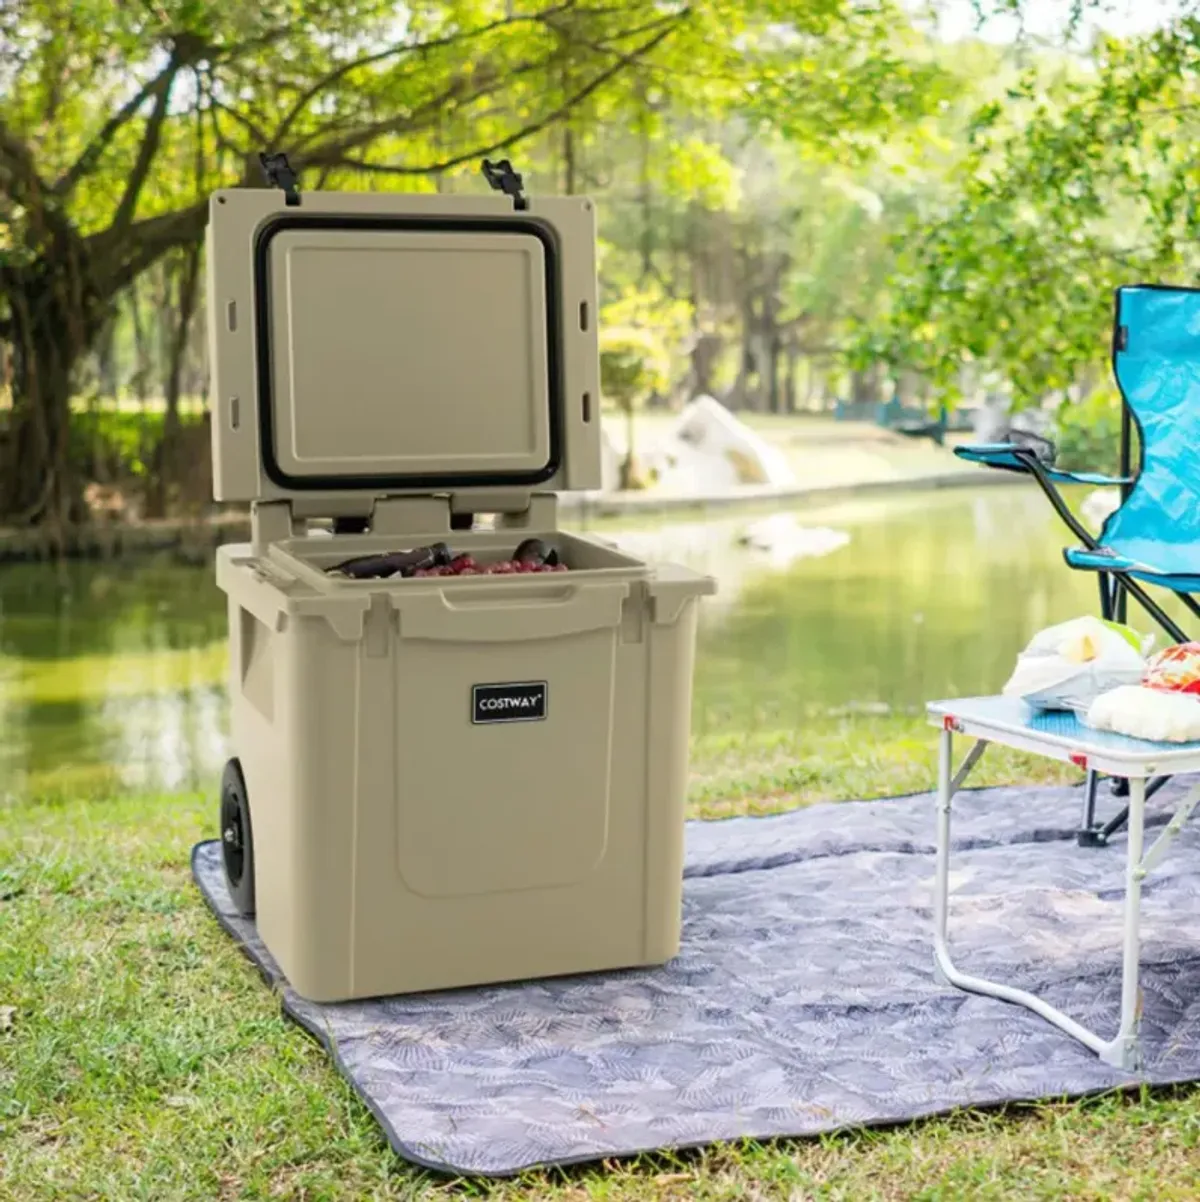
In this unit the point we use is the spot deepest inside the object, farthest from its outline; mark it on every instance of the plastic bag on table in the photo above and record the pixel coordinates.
(1069, 665)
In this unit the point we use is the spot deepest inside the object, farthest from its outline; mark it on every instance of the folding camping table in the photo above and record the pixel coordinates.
(1008, 722)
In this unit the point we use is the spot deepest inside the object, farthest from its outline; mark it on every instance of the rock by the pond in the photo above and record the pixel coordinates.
(784, 539)
(1098, 504)
(610, 461)
(995, 421)
(709, 450)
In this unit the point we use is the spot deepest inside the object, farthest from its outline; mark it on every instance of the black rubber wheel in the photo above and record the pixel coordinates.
(237, 839)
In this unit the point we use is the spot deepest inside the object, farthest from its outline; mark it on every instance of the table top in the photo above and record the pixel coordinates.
(1060, 735)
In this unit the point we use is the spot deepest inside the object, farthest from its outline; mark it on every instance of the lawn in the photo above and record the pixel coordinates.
(141, 1056)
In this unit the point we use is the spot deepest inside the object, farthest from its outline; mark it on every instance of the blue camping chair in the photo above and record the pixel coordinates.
(1153, 537)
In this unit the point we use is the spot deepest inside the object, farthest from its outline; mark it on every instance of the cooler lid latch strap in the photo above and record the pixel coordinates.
(503, 178)
(279, 174)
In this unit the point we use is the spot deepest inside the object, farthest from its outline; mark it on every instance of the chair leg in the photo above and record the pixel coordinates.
(1120, 614)
(1155, 784)
(1091, 835)
(1088, 835)
(1111, 827)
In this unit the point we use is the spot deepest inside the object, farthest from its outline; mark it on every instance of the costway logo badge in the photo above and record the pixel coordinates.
(523, 702)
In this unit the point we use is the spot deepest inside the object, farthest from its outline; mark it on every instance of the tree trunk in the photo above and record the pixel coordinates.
(706, 352)
(51, 329)
(141, 350)
(106, 389)
(693, 257)
(628, 466)
(569, 182)
(166, 465)
(789, 378)
(774, 353)
(864, 385)
(908, 388)
(106, 362)
(741, 395)
(645, 189)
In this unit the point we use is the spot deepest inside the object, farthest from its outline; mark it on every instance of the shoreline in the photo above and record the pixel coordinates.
(197, 536)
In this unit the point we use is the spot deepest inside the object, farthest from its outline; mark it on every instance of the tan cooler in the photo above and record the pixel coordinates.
(439, 780)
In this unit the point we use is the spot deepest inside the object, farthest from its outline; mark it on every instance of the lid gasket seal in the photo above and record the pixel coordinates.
(396, 483)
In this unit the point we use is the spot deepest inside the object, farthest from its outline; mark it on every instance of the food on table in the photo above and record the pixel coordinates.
(1174, 669)
(1068, 665)
(1148, 713)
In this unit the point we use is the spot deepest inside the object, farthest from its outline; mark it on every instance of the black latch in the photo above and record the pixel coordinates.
(279, 173)
(504, 179)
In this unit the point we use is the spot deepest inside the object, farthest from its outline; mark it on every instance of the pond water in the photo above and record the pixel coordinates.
(116, 671)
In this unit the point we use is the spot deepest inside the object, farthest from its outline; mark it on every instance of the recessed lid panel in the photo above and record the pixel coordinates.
(393, 353)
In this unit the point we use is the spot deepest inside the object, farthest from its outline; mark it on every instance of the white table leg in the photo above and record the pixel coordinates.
(949, 783)
(941, 897)
(1123, 1050)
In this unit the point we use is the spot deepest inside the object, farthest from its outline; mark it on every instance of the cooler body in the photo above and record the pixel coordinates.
(436, 781)
(456, 782)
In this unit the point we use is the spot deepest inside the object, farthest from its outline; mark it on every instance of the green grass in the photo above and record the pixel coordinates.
(142, 1057)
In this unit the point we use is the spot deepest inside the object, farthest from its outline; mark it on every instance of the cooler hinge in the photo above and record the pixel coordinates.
(279, 174)
(512, 509)
(274, 521)
(270, 522)
(503, 178)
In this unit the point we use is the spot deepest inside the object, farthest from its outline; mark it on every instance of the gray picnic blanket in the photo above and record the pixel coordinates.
(803, 1000)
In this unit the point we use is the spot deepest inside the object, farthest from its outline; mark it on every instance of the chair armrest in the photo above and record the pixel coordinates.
(1015, 457)
(1002, 455)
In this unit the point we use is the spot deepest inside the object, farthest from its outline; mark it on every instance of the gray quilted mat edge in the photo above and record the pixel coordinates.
(803, 999)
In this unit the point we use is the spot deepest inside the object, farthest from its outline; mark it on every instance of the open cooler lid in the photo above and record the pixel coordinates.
(397, 343)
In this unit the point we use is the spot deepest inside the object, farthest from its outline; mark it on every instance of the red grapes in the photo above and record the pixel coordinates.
(533, 555)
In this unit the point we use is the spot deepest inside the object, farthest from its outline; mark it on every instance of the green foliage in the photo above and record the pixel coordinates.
(788, 190)
(648, 325)
(632, 366)
(117, 121)
(121, 444)
(1080, 178)
(154, 105)
(1087, 434)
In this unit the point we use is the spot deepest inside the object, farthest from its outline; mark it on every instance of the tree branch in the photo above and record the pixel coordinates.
(527, 131)
(255, 131)
(17, 170)
(340, 72)
(486, 79)
(96, 147)
(329, 153)
(148, 241)
(220, 54)
(21, 182)
(569, 34)
(149, 147)
(332, 153)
